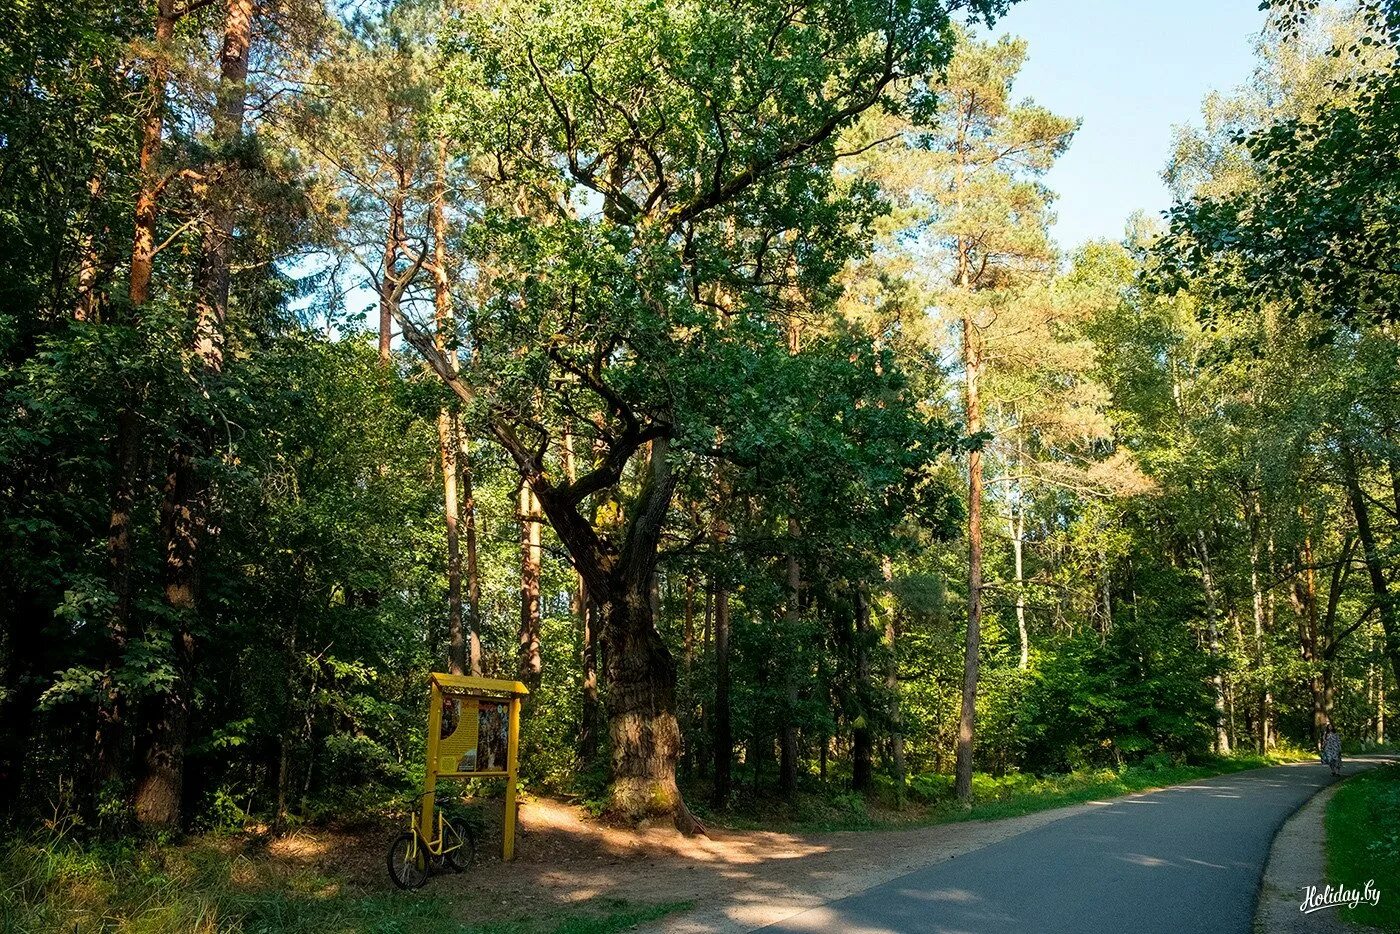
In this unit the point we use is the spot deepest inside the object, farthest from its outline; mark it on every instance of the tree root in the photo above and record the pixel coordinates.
(687, 823)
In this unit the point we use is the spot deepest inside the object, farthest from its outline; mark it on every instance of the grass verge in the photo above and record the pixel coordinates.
(1363, 843)
(213, 885)
(930, 798)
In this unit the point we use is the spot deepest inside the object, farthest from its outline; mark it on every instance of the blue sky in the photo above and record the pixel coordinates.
(1131, 70)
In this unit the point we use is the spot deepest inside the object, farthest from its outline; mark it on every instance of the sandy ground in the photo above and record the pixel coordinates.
(1297, 860)
(737, 880)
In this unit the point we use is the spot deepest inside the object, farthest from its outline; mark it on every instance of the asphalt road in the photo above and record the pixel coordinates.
(1183, 860)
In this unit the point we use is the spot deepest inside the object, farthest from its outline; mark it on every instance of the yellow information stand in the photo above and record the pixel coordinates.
(473, 732)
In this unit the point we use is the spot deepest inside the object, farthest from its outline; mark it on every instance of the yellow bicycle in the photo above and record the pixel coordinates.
(412, 856)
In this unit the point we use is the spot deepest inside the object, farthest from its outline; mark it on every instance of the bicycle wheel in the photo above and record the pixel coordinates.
(459, 832)
(408, 864)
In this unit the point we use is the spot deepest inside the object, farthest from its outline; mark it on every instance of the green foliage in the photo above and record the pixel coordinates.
(732, 249)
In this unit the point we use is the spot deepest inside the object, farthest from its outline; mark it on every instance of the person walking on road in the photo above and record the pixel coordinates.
(1332, 749)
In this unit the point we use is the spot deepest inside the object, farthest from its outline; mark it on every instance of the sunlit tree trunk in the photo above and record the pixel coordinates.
(1018, 542)
(158, 792)
(127, 441)
(473, 569)
(449, 429)
(972, 645)
(393, 235)
(143, 248)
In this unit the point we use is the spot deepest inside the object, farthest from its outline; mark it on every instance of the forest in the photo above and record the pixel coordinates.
(710, 369)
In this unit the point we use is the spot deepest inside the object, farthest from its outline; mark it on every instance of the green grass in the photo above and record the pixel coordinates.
(212, 886)
(1363, 843)
(930, 798)
(613, 914)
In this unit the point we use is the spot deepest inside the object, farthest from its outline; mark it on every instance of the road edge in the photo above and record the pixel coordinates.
(1298, 850)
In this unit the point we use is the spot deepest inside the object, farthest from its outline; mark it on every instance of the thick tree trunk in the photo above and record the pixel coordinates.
(212, 281)
(529, 662)
(972, 646)
(641, 708)
(1371, 555)
(641, 677)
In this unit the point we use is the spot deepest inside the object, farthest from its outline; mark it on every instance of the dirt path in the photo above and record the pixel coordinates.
(737, 880)
(1297, 860)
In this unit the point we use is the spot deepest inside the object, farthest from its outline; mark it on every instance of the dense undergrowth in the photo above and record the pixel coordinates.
(230, 884)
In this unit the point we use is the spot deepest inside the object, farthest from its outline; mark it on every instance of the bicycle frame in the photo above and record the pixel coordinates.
(436, 847)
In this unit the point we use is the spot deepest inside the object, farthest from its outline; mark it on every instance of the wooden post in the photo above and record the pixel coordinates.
(425, 822)
(512, 741)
